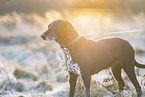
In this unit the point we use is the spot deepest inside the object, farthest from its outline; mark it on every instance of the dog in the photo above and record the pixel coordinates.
(94, 56)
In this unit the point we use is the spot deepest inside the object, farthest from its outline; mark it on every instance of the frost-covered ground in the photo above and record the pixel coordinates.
(30, 67)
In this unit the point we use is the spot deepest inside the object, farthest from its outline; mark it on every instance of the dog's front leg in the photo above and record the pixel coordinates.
(72, 80)
(87, 81)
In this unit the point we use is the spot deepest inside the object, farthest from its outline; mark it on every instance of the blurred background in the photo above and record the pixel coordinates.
(31, 67)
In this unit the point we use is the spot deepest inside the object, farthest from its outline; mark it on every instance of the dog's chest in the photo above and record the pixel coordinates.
(71, 66)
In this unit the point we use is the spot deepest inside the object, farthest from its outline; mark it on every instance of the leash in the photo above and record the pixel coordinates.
(79, 36)
(120, 32)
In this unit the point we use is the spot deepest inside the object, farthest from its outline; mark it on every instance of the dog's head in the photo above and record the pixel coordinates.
(61, 31)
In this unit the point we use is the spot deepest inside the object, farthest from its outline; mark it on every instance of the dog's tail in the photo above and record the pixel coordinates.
(139, 65)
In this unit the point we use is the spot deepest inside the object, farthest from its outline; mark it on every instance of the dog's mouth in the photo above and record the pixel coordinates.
(47, 37)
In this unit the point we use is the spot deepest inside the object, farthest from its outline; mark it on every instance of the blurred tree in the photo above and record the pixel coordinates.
(106, 4)
(41, 6)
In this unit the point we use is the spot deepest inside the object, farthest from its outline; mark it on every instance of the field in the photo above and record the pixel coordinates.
(31, 67)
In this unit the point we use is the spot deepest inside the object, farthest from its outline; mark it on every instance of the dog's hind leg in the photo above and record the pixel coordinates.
(116, 70)
(129, 69)
(72, 80)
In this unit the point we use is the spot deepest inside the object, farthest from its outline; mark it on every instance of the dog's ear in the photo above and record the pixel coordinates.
(69, 29)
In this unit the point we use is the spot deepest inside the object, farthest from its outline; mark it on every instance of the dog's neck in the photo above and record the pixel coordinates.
(71, 42)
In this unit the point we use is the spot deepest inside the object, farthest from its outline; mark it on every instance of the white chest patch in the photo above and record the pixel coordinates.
(71, 66)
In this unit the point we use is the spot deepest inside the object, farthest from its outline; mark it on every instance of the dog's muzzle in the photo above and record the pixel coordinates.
(48, 37)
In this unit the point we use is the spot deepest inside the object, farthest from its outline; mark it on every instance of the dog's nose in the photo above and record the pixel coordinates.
(43, 36)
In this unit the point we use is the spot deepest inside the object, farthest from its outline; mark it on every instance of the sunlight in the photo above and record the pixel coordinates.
(32, 67)
(91, 21)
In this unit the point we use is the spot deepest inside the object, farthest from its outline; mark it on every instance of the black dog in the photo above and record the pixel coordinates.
(93, 57)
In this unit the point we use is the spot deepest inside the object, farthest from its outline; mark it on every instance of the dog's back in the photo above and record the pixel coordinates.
(102, 53)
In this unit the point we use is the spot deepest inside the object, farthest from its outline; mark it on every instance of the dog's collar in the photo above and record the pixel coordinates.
(73, 41)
